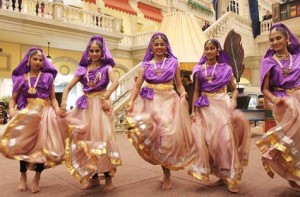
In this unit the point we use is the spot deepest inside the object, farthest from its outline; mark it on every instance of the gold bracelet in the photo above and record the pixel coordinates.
(193, 114)
(105, 96)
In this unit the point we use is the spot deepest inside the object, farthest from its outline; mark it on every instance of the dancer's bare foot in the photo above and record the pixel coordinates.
(216, 183)
(108, 185)
(35, 183)
(294, 186)
(23, 182)
(91, 183)
(166, 184)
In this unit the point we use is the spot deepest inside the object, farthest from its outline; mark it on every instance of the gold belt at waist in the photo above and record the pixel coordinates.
(211, 94)
(95, 93)
(44, 102)
(161, 86)
(288, 90)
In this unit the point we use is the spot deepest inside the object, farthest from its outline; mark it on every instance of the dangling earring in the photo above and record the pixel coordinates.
(27, 64)
(151, 52)
(271, 48)
(288, 42)
(89, 58)
(218, 53)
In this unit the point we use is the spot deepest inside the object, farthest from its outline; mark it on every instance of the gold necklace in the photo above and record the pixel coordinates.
(158, 71)
(32, 90)
(211, 77)
(282, 56)
(286, 71)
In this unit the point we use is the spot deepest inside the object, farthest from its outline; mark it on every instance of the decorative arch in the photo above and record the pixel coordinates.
(65, 59)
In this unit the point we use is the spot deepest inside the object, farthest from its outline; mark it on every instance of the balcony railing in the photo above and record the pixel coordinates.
(59, 12)
(265, 26)
(140, 39)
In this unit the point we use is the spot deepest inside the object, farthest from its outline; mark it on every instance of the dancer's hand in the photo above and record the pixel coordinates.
(106, 105)
(63, 112)
(193, 117)
(184, 95)
(12, 113)
(129, 107)
(58, 112)
(233, 104)
(277, 100)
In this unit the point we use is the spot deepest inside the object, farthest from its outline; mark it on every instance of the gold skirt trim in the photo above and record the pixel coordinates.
(143, 146)
(161, 86)
(276, 139)
(200, 177)
(92, 152)
(37, 104)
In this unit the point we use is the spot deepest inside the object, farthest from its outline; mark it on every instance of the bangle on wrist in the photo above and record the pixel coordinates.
(193, 114)
(105, 96)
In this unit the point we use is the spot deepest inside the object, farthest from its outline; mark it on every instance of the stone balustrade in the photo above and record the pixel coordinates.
(60, 12)
(140, 39)
(230, 19)
(265, 27)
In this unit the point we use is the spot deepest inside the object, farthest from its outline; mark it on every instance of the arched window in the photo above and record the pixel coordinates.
(234, 6)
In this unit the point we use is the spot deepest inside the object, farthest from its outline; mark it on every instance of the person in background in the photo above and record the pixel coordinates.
(206, 25)
(280, 84)
(267, 16)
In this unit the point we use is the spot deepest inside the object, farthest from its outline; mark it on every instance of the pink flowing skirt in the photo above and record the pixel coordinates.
(160, 130)
(281, 145)
(222, 136)
(93, 150)
(35, 135)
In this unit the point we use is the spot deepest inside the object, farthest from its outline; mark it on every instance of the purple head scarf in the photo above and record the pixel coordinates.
(293, 47)
(149, 55)
(106, 55)
(22, 68)
(221, 58)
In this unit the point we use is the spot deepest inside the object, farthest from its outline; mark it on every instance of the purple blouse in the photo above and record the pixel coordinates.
(277, 77)
(98, 76)
(44, 88)
(222, 76)
(168, 71)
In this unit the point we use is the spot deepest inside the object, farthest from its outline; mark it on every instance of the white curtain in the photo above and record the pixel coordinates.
(185, 36)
